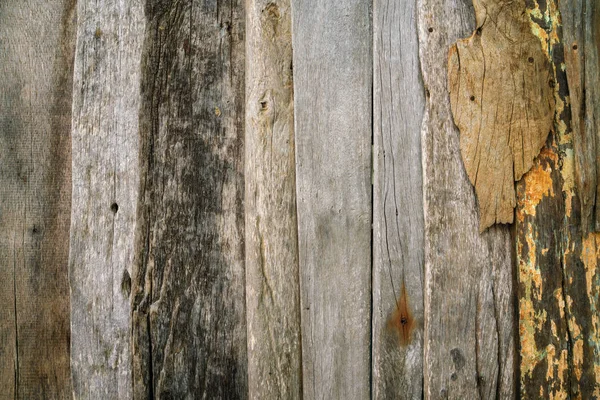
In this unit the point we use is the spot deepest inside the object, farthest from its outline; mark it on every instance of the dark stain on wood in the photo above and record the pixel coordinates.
(401, 321)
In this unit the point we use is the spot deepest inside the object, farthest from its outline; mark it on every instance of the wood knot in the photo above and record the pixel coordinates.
(401, 322)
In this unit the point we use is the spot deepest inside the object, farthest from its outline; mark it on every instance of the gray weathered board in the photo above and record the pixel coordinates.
(399, 101)
(36, 59)
(469, 345)
(188, 284)
(272, 280)
(332, 103)
(268, 201)
(105, 193)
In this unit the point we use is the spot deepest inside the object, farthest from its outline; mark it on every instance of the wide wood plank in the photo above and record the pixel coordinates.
(469, 345)
(332, 88)
(37, 42)
(105, 192)
(399, 101)
(188, 293)
(272, 280)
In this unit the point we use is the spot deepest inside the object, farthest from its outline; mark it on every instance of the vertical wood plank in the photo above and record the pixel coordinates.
(37, 42)
(332, 89)
(272, 280)
(105, 192)
(399, 101)
(557, 255)
(581, 21)
(469, 345)
(188, 294)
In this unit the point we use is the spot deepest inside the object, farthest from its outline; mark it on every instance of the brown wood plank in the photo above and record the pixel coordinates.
(399, 101)
(272, 280)
(469, 340)
(105, 193)
(189, 322)
(332, 102)
(37, 41)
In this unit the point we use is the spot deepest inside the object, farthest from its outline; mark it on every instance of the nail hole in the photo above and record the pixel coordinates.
(530, 59)
(472, 98)
(263, 105)
(430, 30)
(574, 47)
(114, 207)
(454, 376)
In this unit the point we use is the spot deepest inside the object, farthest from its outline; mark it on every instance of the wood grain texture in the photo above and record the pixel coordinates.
(501, 98)
(272, 280)
(332, 102)
(188, 285)
(105, 194)
(36, 61)
(399, 101)
(469, 346)
(557, 256)
(581, 22)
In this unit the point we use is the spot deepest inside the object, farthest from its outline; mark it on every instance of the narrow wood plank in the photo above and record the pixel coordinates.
(399, 101)
(37, 42)
(581, 60)
(469, 340)
(188, 293)
(105, 192)
(557, 256)
(272, 280)
(332, 89)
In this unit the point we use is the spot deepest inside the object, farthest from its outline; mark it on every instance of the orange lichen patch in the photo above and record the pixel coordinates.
(538, 184)
(530, 321)
(589, 257)
(402, 321)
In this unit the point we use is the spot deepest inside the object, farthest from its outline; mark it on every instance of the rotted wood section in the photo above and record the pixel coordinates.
(557, 252)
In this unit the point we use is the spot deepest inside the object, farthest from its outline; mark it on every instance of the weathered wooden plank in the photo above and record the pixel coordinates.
(188, 293)
(581, 20)
(469, 345)
(37, 42)
(272, 280)
(399, 101)
(332, 103)
(557, 257)
(105, 192)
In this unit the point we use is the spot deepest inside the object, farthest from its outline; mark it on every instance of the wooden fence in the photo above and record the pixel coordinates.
(266, 199)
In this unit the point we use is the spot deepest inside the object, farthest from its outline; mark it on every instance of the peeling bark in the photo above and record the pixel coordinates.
(501, 96)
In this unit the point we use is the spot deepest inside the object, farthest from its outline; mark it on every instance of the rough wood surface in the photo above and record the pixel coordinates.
(37, 42)
(557, 256)
(502, 102)
(332, 102)
(399, 101)
(189, 322)
(105, 193)
(581, 22)
(469, 349)
(272, 280)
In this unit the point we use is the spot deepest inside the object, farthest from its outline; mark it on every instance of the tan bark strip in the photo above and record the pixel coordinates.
(502, 102)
